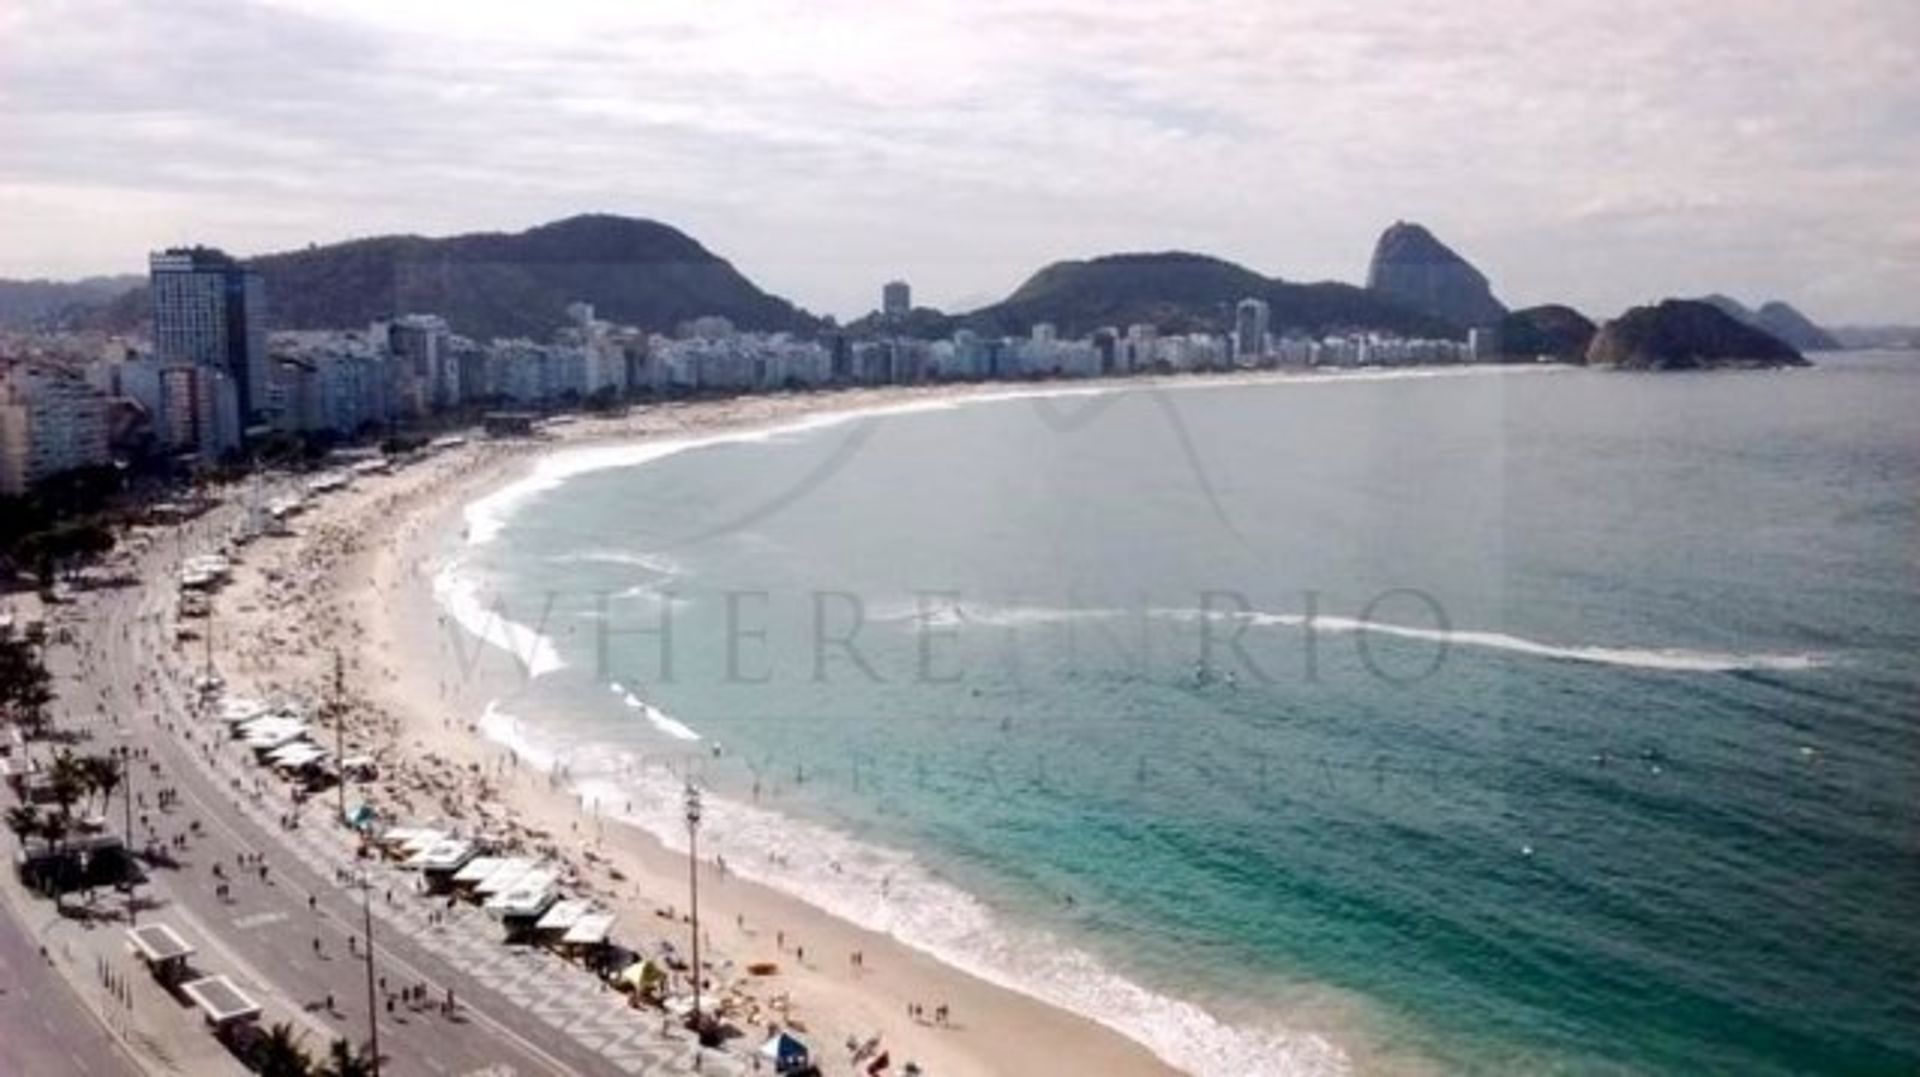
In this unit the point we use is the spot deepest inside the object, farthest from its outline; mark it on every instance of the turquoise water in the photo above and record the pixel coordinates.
(1073, 691)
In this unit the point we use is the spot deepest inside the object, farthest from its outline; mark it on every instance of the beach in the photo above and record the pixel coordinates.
(356, 578)
(362, 576)
(1437, 842)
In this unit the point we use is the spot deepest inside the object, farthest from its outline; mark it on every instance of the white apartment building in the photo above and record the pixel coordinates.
(51, 421)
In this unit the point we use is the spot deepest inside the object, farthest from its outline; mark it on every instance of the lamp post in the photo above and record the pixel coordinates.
(338, 704)
(693, 886)
(366, 946)
(133, 879)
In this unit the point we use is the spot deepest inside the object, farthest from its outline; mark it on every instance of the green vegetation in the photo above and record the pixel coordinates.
(279, 1054)
(25, 686)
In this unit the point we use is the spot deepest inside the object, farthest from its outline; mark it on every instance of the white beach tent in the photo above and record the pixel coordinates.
(237, 710)
(590, 930)
(533, 882)
(422, 840)
(266, 734)
(527, 900)
(442, 856)
(504, 877)
(395, 836)
(477, 869)
(298, 754)
(564, 915)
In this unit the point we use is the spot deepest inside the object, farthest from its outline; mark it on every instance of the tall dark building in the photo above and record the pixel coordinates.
(210, 310)
(896, 300)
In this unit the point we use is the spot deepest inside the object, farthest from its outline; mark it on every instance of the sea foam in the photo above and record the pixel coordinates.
(887, 890)
(655, 717)
(950, 615)
(1670, 659)
(459, 595)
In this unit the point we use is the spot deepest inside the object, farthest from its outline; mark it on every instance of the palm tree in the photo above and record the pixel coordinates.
(25, 686)
(279, 1054)
(101, 773)
(55, 828)
(69, 780)
(24, 820)
(346, 1060)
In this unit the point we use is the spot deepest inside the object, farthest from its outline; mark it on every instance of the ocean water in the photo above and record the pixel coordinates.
(1514, 721)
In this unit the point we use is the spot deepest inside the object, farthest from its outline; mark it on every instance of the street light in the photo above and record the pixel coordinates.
(133, 879)
(373, 1009)
(693, 885)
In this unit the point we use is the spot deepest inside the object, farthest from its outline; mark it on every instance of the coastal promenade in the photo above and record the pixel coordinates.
(284, 927)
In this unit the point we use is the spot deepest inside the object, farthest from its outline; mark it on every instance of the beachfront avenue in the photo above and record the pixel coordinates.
(269, 907)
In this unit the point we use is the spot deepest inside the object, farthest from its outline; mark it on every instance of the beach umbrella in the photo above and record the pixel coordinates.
(785, 1051)
(641, 976)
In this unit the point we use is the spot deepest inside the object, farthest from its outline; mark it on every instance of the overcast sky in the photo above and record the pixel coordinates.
(1600, 153)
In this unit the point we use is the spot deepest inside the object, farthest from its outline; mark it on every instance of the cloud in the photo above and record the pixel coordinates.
(1596, 152)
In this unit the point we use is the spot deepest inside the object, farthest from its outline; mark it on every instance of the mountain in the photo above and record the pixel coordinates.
(1416, 270)
(1686, 334)
(1794, 327)
(491, 284)
(1178, 292)
(1781, 320)
(48, 304)
(1552, 330)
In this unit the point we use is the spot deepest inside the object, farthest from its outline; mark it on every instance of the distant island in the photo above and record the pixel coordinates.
(1780, 319)
(1681, 334)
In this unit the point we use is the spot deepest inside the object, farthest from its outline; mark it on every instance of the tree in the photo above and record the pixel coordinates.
(55, 828)
(279, 1054)
(25, 686)
(24, 820)
(101, 776)
(69, 780)
(346, 1060)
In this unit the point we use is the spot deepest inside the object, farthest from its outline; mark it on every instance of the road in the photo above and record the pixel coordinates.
(289, 929)
(44, 1027)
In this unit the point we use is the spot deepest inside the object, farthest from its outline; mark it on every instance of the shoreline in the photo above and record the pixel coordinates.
(385, 543)
(995, 1029)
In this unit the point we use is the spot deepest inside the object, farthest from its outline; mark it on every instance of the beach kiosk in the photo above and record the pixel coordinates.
(520, 908)
(475, 872)
(560, 919)
(224, 1006)
(163, 951)
(439, 862)
(503, 877)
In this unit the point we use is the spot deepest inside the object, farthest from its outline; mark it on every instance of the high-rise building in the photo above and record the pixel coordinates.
(1483, 344)
(210, 310)
(1250, 329)
(896, 299)
(427, 376)
(200, 411)
(51, 421)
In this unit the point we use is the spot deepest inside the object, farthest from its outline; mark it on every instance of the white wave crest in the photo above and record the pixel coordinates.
(656, 717)
(1670, 659)
(657, 563)
(503, 728)
(459, 596)
(888, 890)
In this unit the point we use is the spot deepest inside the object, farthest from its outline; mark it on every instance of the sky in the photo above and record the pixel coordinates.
(1600, 153)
